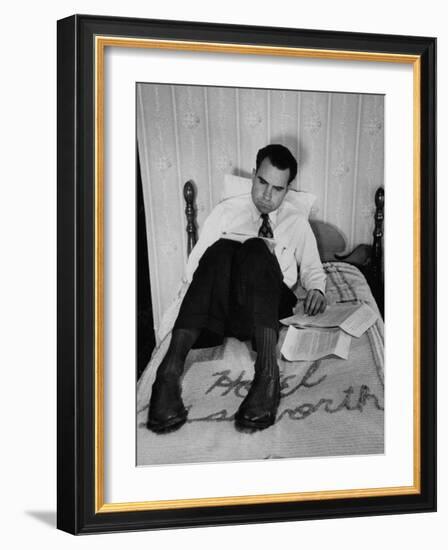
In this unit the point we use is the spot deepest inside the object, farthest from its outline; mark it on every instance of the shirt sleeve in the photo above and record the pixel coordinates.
(312, 274)
(211, 232)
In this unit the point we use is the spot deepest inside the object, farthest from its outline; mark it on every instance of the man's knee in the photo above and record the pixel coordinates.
(255, 248)
(219, 253)
(256, 259)
(255, 252)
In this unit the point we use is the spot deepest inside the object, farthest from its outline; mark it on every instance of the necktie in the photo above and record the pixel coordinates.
(265, 228)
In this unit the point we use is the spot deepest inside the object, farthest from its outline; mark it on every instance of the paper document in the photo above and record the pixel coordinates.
(311, 344)
(353, 319)
(242, 237)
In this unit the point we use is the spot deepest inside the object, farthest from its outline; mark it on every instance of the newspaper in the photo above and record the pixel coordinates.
(311, 344)
(353, 319)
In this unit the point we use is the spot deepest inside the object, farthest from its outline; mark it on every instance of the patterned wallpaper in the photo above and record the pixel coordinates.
(202, 133)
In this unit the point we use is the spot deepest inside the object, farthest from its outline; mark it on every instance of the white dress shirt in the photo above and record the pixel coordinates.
(295, 244)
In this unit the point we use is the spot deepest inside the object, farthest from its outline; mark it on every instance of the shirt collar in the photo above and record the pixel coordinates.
(256, 214)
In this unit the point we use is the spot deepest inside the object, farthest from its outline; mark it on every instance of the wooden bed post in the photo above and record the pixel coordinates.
(189, 193)
(377, 250)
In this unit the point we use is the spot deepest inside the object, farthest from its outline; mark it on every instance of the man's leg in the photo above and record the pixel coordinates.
(166, 408)
(202, 319)
(259, 298)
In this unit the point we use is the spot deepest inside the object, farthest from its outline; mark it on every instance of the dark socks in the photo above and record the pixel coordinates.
(259, 407)
(182, 341)
(266, 345)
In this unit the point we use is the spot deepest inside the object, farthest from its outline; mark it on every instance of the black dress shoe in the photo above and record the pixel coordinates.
(166, 408)
(259, 408)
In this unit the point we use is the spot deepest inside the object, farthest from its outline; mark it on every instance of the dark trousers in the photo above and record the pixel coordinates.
(235, 288)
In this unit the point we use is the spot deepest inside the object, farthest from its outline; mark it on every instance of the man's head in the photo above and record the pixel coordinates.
(275, 170)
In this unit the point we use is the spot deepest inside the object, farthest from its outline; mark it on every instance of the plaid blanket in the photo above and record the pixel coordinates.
(328, 407)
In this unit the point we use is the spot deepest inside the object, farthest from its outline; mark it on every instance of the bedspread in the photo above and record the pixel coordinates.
(329, 407)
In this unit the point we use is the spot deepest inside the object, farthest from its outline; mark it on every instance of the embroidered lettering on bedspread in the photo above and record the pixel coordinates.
(351, 398)
(349, 402)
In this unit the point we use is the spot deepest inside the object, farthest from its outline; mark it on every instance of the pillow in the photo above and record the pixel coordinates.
(234, 186)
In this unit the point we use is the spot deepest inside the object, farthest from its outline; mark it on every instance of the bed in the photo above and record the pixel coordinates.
(329, 407)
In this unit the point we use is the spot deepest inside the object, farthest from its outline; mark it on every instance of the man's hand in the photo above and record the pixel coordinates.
(315, 302)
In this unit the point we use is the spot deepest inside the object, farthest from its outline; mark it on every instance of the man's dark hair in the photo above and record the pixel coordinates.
(280, 157)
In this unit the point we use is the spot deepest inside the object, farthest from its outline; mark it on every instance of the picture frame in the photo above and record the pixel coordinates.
(82, 42)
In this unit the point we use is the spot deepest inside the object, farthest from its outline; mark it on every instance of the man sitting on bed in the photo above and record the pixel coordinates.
(242, 289)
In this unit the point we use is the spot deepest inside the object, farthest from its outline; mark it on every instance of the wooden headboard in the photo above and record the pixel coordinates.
(330, 241)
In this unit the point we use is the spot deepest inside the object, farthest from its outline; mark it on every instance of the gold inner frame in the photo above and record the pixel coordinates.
(101, 42)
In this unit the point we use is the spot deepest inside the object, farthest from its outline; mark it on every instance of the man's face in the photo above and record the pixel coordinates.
(269, 186)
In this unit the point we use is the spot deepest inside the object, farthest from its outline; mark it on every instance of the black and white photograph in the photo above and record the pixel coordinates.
(222, 279)
(260, 287)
